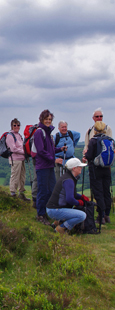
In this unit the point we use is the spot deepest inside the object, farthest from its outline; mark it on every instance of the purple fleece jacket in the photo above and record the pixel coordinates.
(46, 150)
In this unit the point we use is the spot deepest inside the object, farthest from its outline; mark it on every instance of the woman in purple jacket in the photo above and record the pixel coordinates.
(45, 162)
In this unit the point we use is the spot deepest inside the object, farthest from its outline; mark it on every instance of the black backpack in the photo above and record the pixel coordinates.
(88, 226)
(5, 152)
(58, 137)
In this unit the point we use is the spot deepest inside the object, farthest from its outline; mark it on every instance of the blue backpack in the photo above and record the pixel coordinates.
(105, 151)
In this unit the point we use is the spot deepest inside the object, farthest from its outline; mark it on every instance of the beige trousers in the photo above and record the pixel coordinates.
(17, 179)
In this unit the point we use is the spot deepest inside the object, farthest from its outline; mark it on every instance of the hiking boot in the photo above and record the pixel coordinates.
(34, 204)
(55, 224)
(13, 194)
(42, 219)
(60, 229)
(23, 197)
(46, 222)
(103, 221)
(107, 219)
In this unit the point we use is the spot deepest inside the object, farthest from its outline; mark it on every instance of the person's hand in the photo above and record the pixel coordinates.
(64, 148)
(59, 161)
(84, 151)
(83, 197)
(84, 160)
(81, 203)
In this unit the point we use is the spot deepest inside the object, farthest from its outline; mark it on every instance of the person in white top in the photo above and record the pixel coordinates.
(14, 141)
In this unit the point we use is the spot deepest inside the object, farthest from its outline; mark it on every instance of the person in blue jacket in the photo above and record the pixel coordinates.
(70, 138)
(44, 163)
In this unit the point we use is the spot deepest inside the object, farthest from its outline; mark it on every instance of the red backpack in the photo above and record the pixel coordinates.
(28, 138)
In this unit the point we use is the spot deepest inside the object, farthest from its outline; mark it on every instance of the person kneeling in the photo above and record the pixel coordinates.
(60, 206)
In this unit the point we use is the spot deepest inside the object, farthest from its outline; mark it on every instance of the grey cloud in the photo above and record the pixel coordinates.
(60, 57)
(66, 22)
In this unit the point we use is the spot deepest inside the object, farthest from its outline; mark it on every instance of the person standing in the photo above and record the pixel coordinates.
(44, 163)
(15, 142)
(70, 139)
(100, 177)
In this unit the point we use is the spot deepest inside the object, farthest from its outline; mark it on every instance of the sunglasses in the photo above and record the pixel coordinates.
(16, 125)
(98, 116)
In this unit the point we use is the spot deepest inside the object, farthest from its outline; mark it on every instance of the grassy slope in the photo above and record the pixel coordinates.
(43, 270)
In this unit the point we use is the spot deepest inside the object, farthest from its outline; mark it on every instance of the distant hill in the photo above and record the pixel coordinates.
(5, 170)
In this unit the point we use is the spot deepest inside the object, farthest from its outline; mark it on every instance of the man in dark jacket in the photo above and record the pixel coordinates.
(64, 197)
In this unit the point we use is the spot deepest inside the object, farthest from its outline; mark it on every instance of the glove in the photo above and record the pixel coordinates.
(81, 203)
(83, 197)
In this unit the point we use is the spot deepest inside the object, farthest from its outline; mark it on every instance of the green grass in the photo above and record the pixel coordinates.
(43, 270)
(2, 181)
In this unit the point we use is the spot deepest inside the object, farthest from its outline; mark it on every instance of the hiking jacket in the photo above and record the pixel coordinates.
(16, 147)
(45, 157)
(71, 144)
(64, 194)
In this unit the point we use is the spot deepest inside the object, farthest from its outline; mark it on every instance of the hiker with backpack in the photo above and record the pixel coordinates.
(60, 206)
(97, 116)
(14, 142)
(70, 139)
(44, 151)
(100, 156)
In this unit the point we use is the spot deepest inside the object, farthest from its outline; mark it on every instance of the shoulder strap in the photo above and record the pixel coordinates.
(70, 134)
(58, 137)
(90, 129)
(43, 131)
(11, 133)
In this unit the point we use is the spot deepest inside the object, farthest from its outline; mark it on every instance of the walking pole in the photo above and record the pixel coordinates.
(60, 169)
(64, 159)
(112, 202)
(83, 179)
(29, 172)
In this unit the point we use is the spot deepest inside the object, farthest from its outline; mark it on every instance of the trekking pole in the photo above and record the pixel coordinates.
(60, 169)
(112, 202)
(83, 179)
(29, 172)
(64, 159)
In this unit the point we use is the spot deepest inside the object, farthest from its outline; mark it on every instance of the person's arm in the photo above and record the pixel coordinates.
(86, 143)
(89, 135)
(89, 155)
(69, 189)
(109, 131)
(76, 137)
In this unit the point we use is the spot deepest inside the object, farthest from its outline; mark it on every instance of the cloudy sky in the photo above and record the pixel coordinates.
(57, 55)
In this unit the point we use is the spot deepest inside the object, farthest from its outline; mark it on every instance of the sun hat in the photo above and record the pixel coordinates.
(74, 162)
(100, 127)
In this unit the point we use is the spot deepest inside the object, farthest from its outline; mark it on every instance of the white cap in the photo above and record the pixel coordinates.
(74, 162)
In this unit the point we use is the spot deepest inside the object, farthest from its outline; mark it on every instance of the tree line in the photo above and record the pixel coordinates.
(5, 171)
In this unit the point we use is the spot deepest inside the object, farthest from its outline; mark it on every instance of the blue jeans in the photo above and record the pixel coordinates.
(46, 182)
(70, 217)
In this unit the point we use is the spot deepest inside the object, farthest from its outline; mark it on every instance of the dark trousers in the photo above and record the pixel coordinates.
(100, 180)
(46, 182)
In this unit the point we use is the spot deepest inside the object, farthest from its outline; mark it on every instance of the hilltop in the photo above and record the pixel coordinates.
(43, 270)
